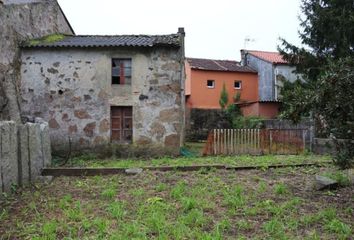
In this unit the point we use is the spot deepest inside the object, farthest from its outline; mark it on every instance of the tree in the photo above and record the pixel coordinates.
(333, 101)
(224, 97)
(326, 66)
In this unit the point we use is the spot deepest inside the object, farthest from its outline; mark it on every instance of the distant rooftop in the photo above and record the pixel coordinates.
(273, 57)
(86, 41)
(218, 65)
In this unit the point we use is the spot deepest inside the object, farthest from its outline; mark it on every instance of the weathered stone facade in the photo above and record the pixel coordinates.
(21, 20)
(71, 89)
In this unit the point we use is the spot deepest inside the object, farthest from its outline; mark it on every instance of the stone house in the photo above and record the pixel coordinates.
(101, 89)
(272, 70)
(21, 20)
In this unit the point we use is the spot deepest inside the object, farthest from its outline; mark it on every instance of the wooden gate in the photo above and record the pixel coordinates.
(255, 141)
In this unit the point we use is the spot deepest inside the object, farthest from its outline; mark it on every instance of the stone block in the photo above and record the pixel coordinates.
(24, 170)
(9, 155)
(133, 171)
(45, 143)
(322, 183)
(35, 150)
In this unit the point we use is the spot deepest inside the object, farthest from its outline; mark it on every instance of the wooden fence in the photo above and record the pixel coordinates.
(255, 141)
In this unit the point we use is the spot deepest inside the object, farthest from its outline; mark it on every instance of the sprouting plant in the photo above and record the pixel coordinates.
(280, 189)
(117, 209)
(337, 226)
(109, 193)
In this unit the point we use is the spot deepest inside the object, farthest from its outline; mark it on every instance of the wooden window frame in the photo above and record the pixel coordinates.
(122, 68)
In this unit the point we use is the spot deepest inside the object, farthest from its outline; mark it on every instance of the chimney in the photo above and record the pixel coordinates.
(243, 57)
(181, 31)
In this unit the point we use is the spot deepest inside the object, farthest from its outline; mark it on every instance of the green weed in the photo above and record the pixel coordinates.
(49, 229)
(109, 193)
(275, 228)
(262, 187)
(338, 227)
(188, 203)
(234, 197)
(243, 225)
(194, 218)
(117, 209)
(161, 187)
(280, 189)
(178, 190)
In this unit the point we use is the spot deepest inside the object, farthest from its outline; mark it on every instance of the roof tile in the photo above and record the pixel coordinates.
(111, 41)
(218, 65)
(273, 57)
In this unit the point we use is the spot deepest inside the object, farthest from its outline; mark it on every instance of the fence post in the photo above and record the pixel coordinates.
(304, 138)
(270, 141)
(214, 141)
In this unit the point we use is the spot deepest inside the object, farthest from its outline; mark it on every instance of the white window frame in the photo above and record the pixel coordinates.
(213, 81)
(240, 84)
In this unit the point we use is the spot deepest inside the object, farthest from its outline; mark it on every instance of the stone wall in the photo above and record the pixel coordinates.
(19, 21)
(24, 151)
(201, 121)
(71, 89)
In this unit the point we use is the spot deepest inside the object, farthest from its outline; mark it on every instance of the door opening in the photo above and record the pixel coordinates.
(121, 124)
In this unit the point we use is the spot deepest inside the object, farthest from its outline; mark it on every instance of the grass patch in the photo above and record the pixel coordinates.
(242, 160)
(216, 204)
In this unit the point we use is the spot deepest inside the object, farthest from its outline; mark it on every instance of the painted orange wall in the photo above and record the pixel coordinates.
(208, 98)
(269, 110)
(264, 110)
(188, 78)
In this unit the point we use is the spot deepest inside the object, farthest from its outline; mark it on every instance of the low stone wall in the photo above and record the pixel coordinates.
(201, 121)
(24, 151)
(323, 146)
(287, 124)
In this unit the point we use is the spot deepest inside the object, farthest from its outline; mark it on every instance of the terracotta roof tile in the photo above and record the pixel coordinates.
(218, 65)
(273, 57)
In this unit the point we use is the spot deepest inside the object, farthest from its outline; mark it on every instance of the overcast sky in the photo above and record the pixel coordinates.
(214, 28)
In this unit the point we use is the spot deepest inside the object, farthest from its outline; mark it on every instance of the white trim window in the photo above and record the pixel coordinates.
(211, 83)
(237, 84)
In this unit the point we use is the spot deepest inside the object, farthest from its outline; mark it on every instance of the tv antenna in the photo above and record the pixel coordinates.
(248, 40)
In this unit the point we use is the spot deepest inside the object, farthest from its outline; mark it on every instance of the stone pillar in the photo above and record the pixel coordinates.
(45, 143)
(35, 151)
(24, 168)
(8, 152)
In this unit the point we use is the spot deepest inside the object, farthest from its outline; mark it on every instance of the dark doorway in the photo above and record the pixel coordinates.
(121, 124)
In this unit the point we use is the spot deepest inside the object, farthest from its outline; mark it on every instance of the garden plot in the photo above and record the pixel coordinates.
(215, 204)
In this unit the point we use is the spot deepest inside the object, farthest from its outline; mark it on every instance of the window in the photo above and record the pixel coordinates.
(210, 83)
(121, 71)
(237, 84)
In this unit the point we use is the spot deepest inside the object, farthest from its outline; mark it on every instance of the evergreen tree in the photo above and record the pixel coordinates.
(325, 63)
(224, 97)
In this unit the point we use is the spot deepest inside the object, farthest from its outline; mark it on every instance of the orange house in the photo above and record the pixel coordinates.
(205, 79)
